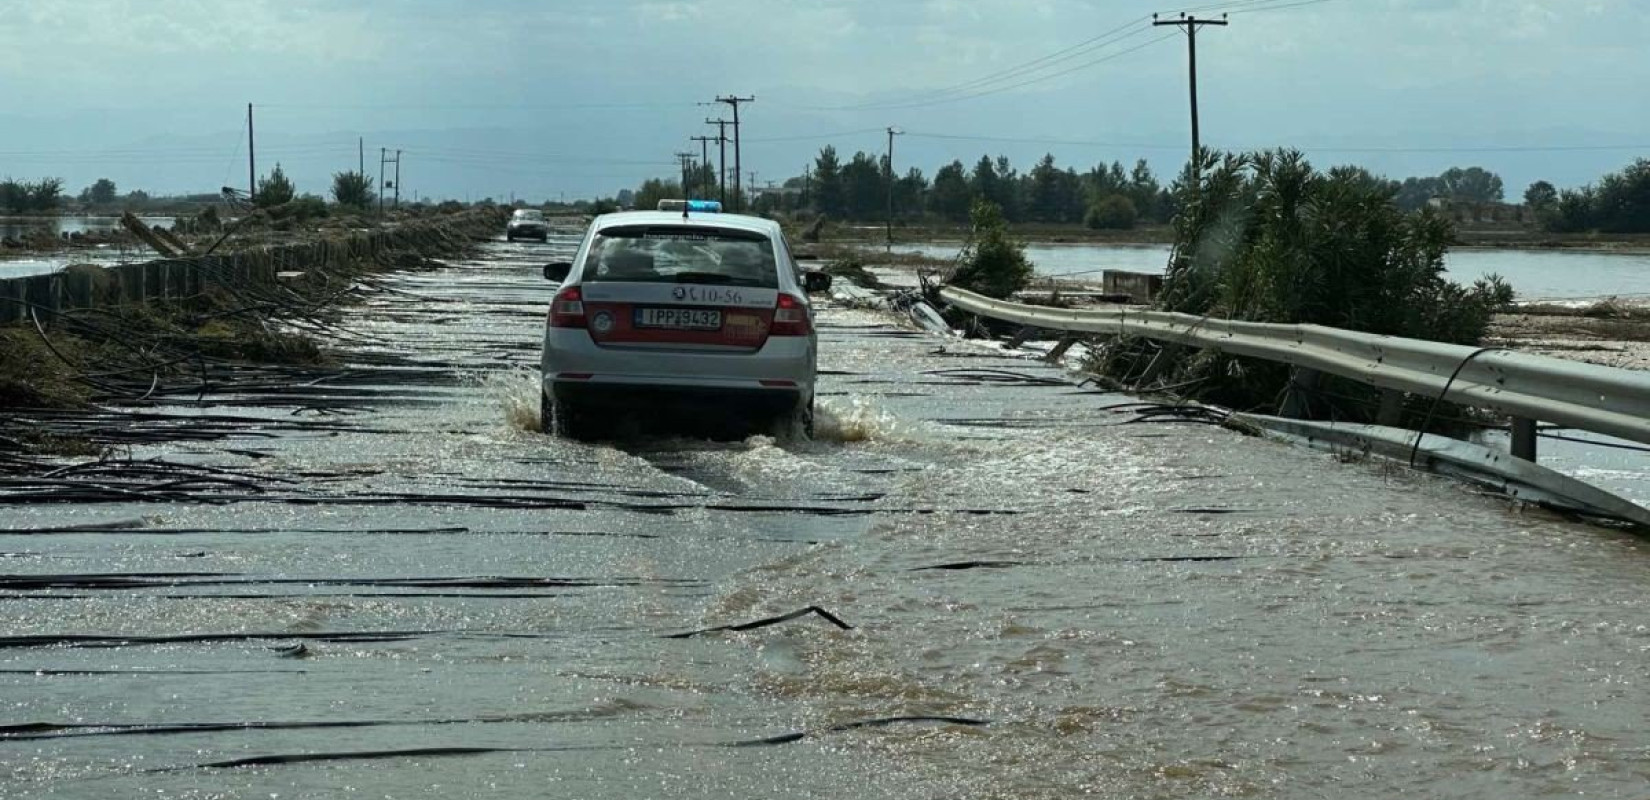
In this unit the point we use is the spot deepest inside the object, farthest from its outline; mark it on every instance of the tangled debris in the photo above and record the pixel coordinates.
(72, 380)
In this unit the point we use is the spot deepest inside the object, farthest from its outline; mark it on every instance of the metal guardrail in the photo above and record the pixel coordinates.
(1606, 400)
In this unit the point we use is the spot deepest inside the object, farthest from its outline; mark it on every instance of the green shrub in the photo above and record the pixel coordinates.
(1112, 212)
(1264, 237)
(275, 190)
(992, 263)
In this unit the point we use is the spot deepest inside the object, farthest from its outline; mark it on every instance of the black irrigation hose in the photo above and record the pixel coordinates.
(1437, 401)
(763, 623)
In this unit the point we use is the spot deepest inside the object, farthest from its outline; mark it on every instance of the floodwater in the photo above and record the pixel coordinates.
(1534, 274)
(35, 263)
(427, 598)
(17, 227)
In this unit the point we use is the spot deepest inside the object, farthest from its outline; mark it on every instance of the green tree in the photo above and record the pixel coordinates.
(352, 189)
(1620, 203)
(828, 182)
(275, 190)
(950, 196)
(864, 188)
(13, 197)
(1415, 193)
(653, 190)
(1623, 204)
(1010, 192)
(985, 184)
(910, 193)
(1474, 185)
(30, 197)
(1541, 197)
(100, 193)
(992, 263)
(1146, 193)
(1053, 195)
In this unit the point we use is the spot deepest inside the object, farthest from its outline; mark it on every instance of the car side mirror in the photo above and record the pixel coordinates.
(816, 282)
(558, 271)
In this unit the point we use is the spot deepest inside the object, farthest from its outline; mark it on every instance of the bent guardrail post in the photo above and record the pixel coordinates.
(1523, 438)
(1060, 348)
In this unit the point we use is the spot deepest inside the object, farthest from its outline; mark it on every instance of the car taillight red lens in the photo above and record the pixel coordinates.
(790, 317)
(567, 310)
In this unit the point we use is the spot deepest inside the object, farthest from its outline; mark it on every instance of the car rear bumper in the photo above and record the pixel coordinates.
(652, 398)
(783, 362)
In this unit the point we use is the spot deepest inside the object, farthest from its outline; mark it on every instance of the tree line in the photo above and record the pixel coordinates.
(1103, 196)
(46, 195)
(1618, 203)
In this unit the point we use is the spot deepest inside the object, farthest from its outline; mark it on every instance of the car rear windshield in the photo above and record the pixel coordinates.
(533, 215)
(681, 254)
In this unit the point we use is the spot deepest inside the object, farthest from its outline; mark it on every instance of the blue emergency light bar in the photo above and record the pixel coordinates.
(684, 206)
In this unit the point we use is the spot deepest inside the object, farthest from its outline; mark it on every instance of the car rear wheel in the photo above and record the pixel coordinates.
(568, 421)
(797, 423)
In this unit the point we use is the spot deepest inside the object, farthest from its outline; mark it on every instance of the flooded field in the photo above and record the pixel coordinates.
(390, 584)
(25, 264)
(19, 227)
(1535, 274)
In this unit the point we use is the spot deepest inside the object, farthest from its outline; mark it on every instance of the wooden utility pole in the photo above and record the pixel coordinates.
(687, 160)
(704, 153)
(734, 101)
(251, 158)
(722, 156)
(892, 132)
(1191, 24)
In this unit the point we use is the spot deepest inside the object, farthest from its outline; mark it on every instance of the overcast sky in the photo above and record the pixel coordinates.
(579, 97)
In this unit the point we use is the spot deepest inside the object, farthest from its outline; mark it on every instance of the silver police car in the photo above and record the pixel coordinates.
(690, 311)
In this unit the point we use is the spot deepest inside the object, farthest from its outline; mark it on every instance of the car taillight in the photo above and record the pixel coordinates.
(790, 317)
(567, 310)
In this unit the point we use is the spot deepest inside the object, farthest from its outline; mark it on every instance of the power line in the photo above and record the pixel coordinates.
(1317, 147)
(480, 106)
(1112, 36)
(1034, 65)
(1039, 79)
(814, 136)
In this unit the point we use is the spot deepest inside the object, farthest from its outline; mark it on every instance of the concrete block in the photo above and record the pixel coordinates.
(1141, 287)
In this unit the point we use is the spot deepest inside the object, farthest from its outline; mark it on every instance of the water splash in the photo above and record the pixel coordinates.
(854, 419)
(516, 393)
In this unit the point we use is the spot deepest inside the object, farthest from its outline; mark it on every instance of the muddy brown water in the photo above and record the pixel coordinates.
(445, 603)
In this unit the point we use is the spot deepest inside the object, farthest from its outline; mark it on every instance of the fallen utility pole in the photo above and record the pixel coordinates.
(1191, 25)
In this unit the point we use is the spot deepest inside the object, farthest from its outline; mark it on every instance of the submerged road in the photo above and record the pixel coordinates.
(382, 581)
